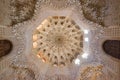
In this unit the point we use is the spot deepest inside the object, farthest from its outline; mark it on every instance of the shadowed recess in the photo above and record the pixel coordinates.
(5, 47)
(112, 48)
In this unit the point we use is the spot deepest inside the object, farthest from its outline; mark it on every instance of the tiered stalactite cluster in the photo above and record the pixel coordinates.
(58, 40)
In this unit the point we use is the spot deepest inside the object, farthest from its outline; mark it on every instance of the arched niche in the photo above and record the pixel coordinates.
(5, 47)
(112, 48)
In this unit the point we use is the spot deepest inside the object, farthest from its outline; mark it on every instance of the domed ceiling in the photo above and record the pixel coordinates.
(58, 40)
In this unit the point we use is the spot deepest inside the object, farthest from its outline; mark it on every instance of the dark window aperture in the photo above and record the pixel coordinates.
(112, 48)
(5, 47)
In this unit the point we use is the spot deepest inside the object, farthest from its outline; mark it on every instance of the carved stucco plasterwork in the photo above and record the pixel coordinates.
(96, 48)
(15, 55)
(22, 32)
(21, 10)
(91, 71)
(18, 31)
(58, 40)
(17, 73)
(94, 10)
(18, 34)
(74, 6)
(99, 12)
